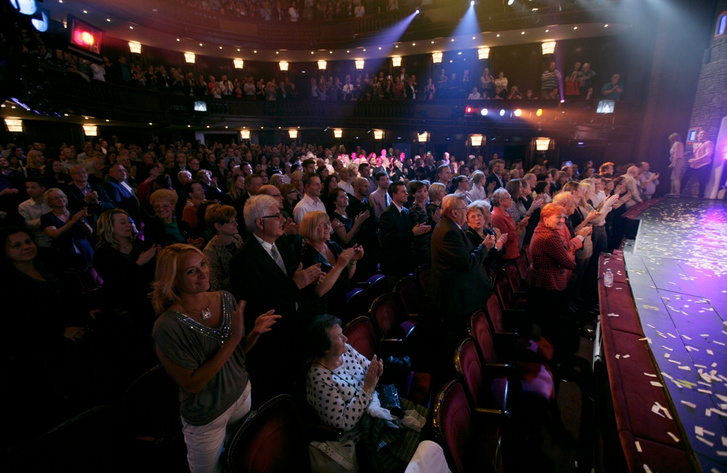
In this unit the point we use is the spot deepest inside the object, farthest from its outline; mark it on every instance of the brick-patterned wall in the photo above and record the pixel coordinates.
(710, 104)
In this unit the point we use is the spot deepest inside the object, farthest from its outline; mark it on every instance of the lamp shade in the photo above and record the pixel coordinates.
(378, 134)
(483, 53)
(548, 47)
(90, 130)
(437, 57)
(423, 137)
(238, 62)
(359, 64)
(542, 144)
(322, 65)
(337, 133)
(396, 61)
(135, 47)
(293, 133)
(476, 140)
(189, 57)
(15, 125)
(284, 66)
(245, 134)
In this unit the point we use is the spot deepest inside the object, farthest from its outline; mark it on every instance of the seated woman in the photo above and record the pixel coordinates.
(200, 340)
(69, 232)
(126, 270)
(164, 229)
(345, 228)
(329, 295)
(341, 382)
(222, 220)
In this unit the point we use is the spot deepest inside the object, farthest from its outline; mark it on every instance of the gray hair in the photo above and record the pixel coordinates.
(498, 195)
(255, 208)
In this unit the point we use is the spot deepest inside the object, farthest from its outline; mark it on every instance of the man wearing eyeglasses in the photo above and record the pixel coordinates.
(266, 273)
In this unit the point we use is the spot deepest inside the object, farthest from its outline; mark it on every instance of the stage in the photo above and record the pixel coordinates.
(677, 270)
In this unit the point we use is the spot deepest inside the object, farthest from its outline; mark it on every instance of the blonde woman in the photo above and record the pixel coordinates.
(676, 162)
(437, 191)
(199, 338)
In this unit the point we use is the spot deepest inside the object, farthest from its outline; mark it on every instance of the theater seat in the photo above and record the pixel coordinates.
(488, 386)
(272, 439)
(521, 347)
(470, 444)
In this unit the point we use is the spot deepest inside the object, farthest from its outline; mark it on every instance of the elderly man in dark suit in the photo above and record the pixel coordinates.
(84, 195)
(120, 193)
(266, 273)
(397, 234)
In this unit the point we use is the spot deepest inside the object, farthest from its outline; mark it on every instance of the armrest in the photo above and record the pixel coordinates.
(500, 369)
(492, 415)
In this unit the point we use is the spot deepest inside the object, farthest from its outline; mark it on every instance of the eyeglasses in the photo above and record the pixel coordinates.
(277, 215)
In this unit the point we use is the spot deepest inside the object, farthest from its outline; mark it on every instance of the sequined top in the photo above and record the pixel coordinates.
(190, 345)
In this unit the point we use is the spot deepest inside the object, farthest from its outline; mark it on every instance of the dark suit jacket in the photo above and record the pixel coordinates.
(458, 283)
(122, 198)
(76, 202)
(396, 240)
(257, 279)
(493, 178)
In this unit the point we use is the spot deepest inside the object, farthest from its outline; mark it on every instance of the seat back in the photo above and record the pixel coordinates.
(387, 316)
(271, 439)
(522, 264)
(513, 277)
(361, 336)
(357, 303)
(482, 333)
(504, 293)
(465, 448)
(469, 368)
(151, 407)
(376, 285)
(410, 295)
(494, 313)
(422, 274)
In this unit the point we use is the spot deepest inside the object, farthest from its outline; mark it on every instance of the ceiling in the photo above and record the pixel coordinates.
(145, 22)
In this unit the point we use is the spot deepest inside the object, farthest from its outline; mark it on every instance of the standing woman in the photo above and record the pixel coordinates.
(676, 162)
(200, 340)
(345, 228)
(222, 221)
(501, 219)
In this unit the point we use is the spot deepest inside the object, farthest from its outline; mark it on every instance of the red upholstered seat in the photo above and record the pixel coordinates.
(361, 336)
(411, 296)
(271, 439)
(487, 390)
(470, 445)
(508, 299)
(536, 378)
(541, 349)
(389, 319)
(422, 274)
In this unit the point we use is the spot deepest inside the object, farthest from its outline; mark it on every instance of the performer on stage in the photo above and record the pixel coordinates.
(676, 162)
(700, 164)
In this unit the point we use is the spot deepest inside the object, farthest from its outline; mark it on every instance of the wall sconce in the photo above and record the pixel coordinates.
(359, 64)
(437, 57)
(548, 47)
(90, 130)
(423, 137)
(322, 65)
(483, 53)
(238, 62)
(189, 58)
(542, 144)
(245, 134)
(15, 125)
(396, 61)
(378, 135)
(293, 133)
(284, 66)
(135, 47)
(337, 133)
(476, 140)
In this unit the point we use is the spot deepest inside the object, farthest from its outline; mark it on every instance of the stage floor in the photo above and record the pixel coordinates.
(677, 269)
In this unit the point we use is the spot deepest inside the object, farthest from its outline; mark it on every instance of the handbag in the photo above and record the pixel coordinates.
(333, 457)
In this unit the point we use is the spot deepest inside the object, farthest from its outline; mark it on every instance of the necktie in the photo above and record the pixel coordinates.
(278, 259)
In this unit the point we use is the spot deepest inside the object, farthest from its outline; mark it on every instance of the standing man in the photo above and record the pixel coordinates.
(31, 210)
(613, 89)
(495, 181)
(700, 164)
(266, 273)
(311, 200)
(397, 234)
(380, 199)
(550, 82)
